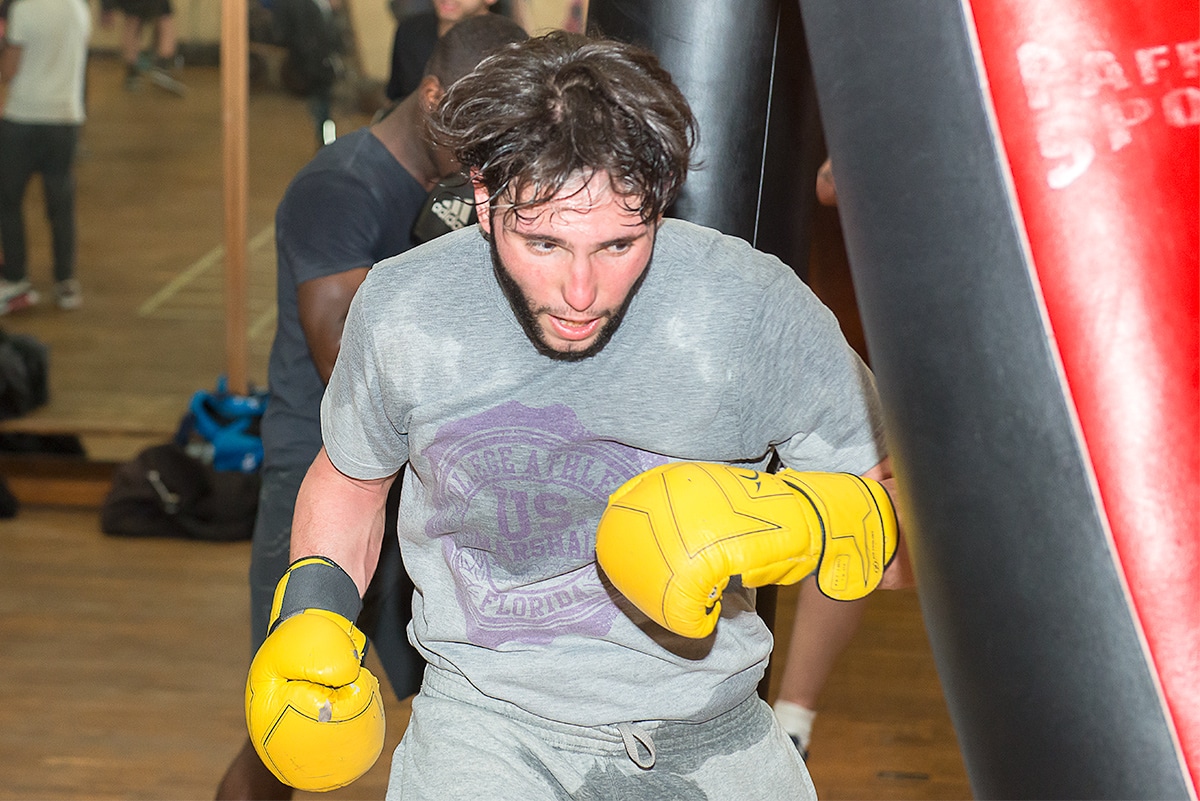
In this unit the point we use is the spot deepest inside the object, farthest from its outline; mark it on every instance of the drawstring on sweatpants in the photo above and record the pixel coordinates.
(638, 744)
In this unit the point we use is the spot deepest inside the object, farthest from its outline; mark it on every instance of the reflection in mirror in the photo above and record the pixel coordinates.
(149, 207)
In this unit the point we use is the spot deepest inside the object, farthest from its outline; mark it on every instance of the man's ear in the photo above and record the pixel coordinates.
(483, 208)
(430, 94)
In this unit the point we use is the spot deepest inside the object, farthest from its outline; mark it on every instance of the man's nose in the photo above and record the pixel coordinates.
(579, 290)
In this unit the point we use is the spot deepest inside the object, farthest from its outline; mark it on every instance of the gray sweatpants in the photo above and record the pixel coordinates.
(461, 745)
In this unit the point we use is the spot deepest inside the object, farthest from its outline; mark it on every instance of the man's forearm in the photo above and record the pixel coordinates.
(340, 518)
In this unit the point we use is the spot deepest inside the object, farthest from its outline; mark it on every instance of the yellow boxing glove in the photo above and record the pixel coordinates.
(314, 712)
(671, 537)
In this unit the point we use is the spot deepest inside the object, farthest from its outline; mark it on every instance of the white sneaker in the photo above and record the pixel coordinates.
(16, 295)
(68, 294)
(164, 80)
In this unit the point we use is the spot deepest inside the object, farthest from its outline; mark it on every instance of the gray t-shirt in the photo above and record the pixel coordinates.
(723, 355)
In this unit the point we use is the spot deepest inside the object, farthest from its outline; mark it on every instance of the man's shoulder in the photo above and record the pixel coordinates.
(441, 265)
(684, 235)
(339, 151)
(703, 253)
(354, 160)
(431, 282)
(448, 254)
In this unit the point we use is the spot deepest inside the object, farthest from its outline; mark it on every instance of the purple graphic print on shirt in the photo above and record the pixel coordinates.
(519, 492)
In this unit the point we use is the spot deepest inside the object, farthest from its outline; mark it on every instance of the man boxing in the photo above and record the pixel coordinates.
(520, 372)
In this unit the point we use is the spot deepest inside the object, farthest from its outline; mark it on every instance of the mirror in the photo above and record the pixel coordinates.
(150, 224)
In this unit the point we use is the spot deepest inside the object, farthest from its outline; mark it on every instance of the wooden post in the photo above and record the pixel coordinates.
(234, 91)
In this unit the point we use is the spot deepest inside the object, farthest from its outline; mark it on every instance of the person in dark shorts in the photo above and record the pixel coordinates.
(136, 15)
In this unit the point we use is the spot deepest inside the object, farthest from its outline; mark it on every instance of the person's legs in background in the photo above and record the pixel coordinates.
(18, 161)
(164, 70)
(167, 44)
(159, 67)
(131, 49)
(58, 180)
(820, 632)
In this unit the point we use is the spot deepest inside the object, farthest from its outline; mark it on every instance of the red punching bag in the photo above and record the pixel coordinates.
(1018, 186)
(1098, 113)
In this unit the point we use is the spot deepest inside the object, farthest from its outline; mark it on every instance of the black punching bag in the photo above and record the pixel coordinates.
(1018, 187)
(743, 68)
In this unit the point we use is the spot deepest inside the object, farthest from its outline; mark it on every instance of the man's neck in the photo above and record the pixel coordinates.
(400, 132)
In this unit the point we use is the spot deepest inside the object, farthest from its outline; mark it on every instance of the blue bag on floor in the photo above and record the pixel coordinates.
(223, 428)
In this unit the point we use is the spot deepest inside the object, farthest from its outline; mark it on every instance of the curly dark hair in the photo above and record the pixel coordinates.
(537, 115)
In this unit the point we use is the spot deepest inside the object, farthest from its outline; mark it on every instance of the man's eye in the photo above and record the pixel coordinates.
(538, 246)
(619, 247)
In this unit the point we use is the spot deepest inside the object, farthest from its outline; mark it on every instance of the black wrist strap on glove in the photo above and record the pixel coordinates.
(315, 582)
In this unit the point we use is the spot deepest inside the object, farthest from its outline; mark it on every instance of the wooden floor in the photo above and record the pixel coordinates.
(124, 661)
